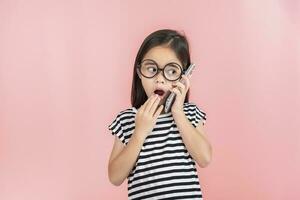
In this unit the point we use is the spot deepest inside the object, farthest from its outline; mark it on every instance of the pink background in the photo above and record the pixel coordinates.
(66, 69)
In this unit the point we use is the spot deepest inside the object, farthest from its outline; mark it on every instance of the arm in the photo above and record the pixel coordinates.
(194, 139)
(123, 158)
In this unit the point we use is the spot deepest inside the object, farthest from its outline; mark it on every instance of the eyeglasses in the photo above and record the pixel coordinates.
(171, 71)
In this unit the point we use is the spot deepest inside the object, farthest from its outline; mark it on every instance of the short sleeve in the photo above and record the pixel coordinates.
(199, 115)
(117, 129)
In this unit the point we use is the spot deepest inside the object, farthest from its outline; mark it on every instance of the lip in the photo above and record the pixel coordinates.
(161, 96)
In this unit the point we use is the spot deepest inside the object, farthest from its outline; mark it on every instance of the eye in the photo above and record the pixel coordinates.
(171, 71)
(151, 69)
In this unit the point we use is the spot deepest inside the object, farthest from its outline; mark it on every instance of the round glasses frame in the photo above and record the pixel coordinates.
(158, 70)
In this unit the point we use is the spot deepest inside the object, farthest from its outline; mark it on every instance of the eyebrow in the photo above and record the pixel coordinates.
(172, 61)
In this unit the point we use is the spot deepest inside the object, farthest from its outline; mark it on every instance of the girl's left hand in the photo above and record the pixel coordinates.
(180, 89)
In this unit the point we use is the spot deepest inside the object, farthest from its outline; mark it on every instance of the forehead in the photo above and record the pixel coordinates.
(162, 55)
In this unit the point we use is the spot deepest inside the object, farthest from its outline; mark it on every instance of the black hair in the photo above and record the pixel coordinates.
(170, 38)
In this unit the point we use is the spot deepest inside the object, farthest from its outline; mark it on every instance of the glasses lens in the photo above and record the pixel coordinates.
(172, 71)
(148, 68)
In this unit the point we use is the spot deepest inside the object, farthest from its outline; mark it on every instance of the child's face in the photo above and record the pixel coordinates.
(162, 56)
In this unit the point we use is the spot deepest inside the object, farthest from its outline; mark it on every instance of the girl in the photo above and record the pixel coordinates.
(154, 150)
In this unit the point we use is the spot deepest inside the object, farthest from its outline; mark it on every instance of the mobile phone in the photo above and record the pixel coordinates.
(171, 97)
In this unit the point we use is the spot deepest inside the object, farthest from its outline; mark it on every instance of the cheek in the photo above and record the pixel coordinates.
(147, 85)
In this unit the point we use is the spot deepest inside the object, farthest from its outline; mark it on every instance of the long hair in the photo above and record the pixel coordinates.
(172, 39)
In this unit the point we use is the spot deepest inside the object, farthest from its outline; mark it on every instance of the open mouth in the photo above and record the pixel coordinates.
(159, 92)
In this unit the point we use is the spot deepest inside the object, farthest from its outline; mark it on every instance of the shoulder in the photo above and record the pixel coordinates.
(191, 106)
(194, 112)
(122, 124)
(122, 119)
(126, 113)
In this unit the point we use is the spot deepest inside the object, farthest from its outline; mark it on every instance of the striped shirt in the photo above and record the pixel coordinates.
(164, 168)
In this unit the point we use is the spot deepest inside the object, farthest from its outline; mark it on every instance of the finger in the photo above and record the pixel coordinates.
(176, 91)
(154, 106)
(188, 84)
(188, 76)
(181, 87)
(156, 114)
(149, 104)
(185, 80)
(184, 85)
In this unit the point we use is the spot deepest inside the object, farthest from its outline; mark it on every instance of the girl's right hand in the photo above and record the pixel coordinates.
(146, 116)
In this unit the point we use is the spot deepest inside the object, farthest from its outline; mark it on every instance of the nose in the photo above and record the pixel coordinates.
(160, 77)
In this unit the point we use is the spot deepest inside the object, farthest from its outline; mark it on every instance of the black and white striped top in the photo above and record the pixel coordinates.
(164, 168)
